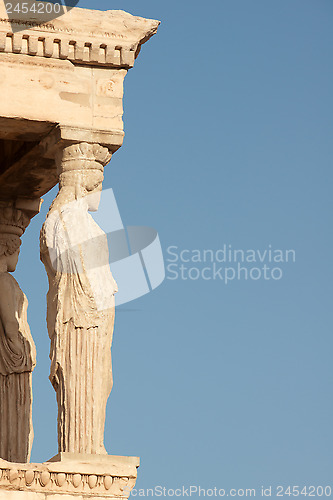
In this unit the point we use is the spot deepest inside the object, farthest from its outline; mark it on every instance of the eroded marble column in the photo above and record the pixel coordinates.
(17, 348)
(80, 300)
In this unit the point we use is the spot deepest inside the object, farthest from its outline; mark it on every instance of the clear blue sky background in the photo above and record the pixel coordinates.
(228, 121)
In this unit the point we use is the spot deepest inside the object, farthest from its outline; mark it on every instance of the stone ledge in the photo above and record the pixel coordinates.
(73, 476)
(108, 38)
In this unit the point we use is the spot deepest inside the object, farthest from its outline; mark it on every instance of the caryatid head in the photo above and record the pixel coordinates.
(80, 168)
(13, 223)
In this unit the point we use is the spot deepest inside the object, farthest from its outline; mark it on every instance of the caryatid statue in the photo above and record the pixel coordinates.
(17, 348)
(80, 300)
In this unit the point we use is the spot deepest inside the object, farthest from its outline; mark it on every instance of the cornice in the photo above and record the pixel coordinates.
(111, 38)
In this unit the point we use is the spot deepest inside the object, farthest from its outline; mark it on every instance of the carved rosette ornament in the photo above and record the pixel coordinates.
(80, 300)
(17, 349)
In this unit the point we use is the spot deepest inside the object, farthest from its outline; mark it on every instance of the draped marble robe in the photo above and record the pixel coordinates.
(17, 360)
(80, 321)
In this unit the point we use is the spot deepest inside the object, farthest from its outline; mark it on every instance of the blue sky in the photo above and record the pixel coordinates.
(228, 122)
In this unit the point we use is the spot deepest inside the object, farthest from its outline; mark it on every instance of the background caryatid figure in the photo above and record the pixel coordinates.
(17, 349)
(80, 300)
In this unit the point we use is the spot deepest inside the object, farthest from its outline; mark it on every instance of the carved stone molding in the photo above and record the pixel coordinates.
(112, 39)
(97, 52)
(111, 477)
(34, 172)
(61, 81)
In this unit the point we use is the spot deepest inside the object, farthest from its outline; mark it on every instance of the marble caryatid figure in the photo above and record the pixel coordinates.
(80, 300)
(17, 349)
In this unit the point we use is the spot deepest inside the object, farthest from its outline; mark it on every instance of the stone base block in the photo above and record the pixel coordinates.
(69, 477)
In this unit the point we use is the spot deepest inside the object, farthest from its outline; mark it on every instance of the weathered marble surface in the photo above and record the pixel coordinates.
(71, 478)
(80, 301)
(61, 85)
(112, 38)
(17, 348)
(67, 74)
